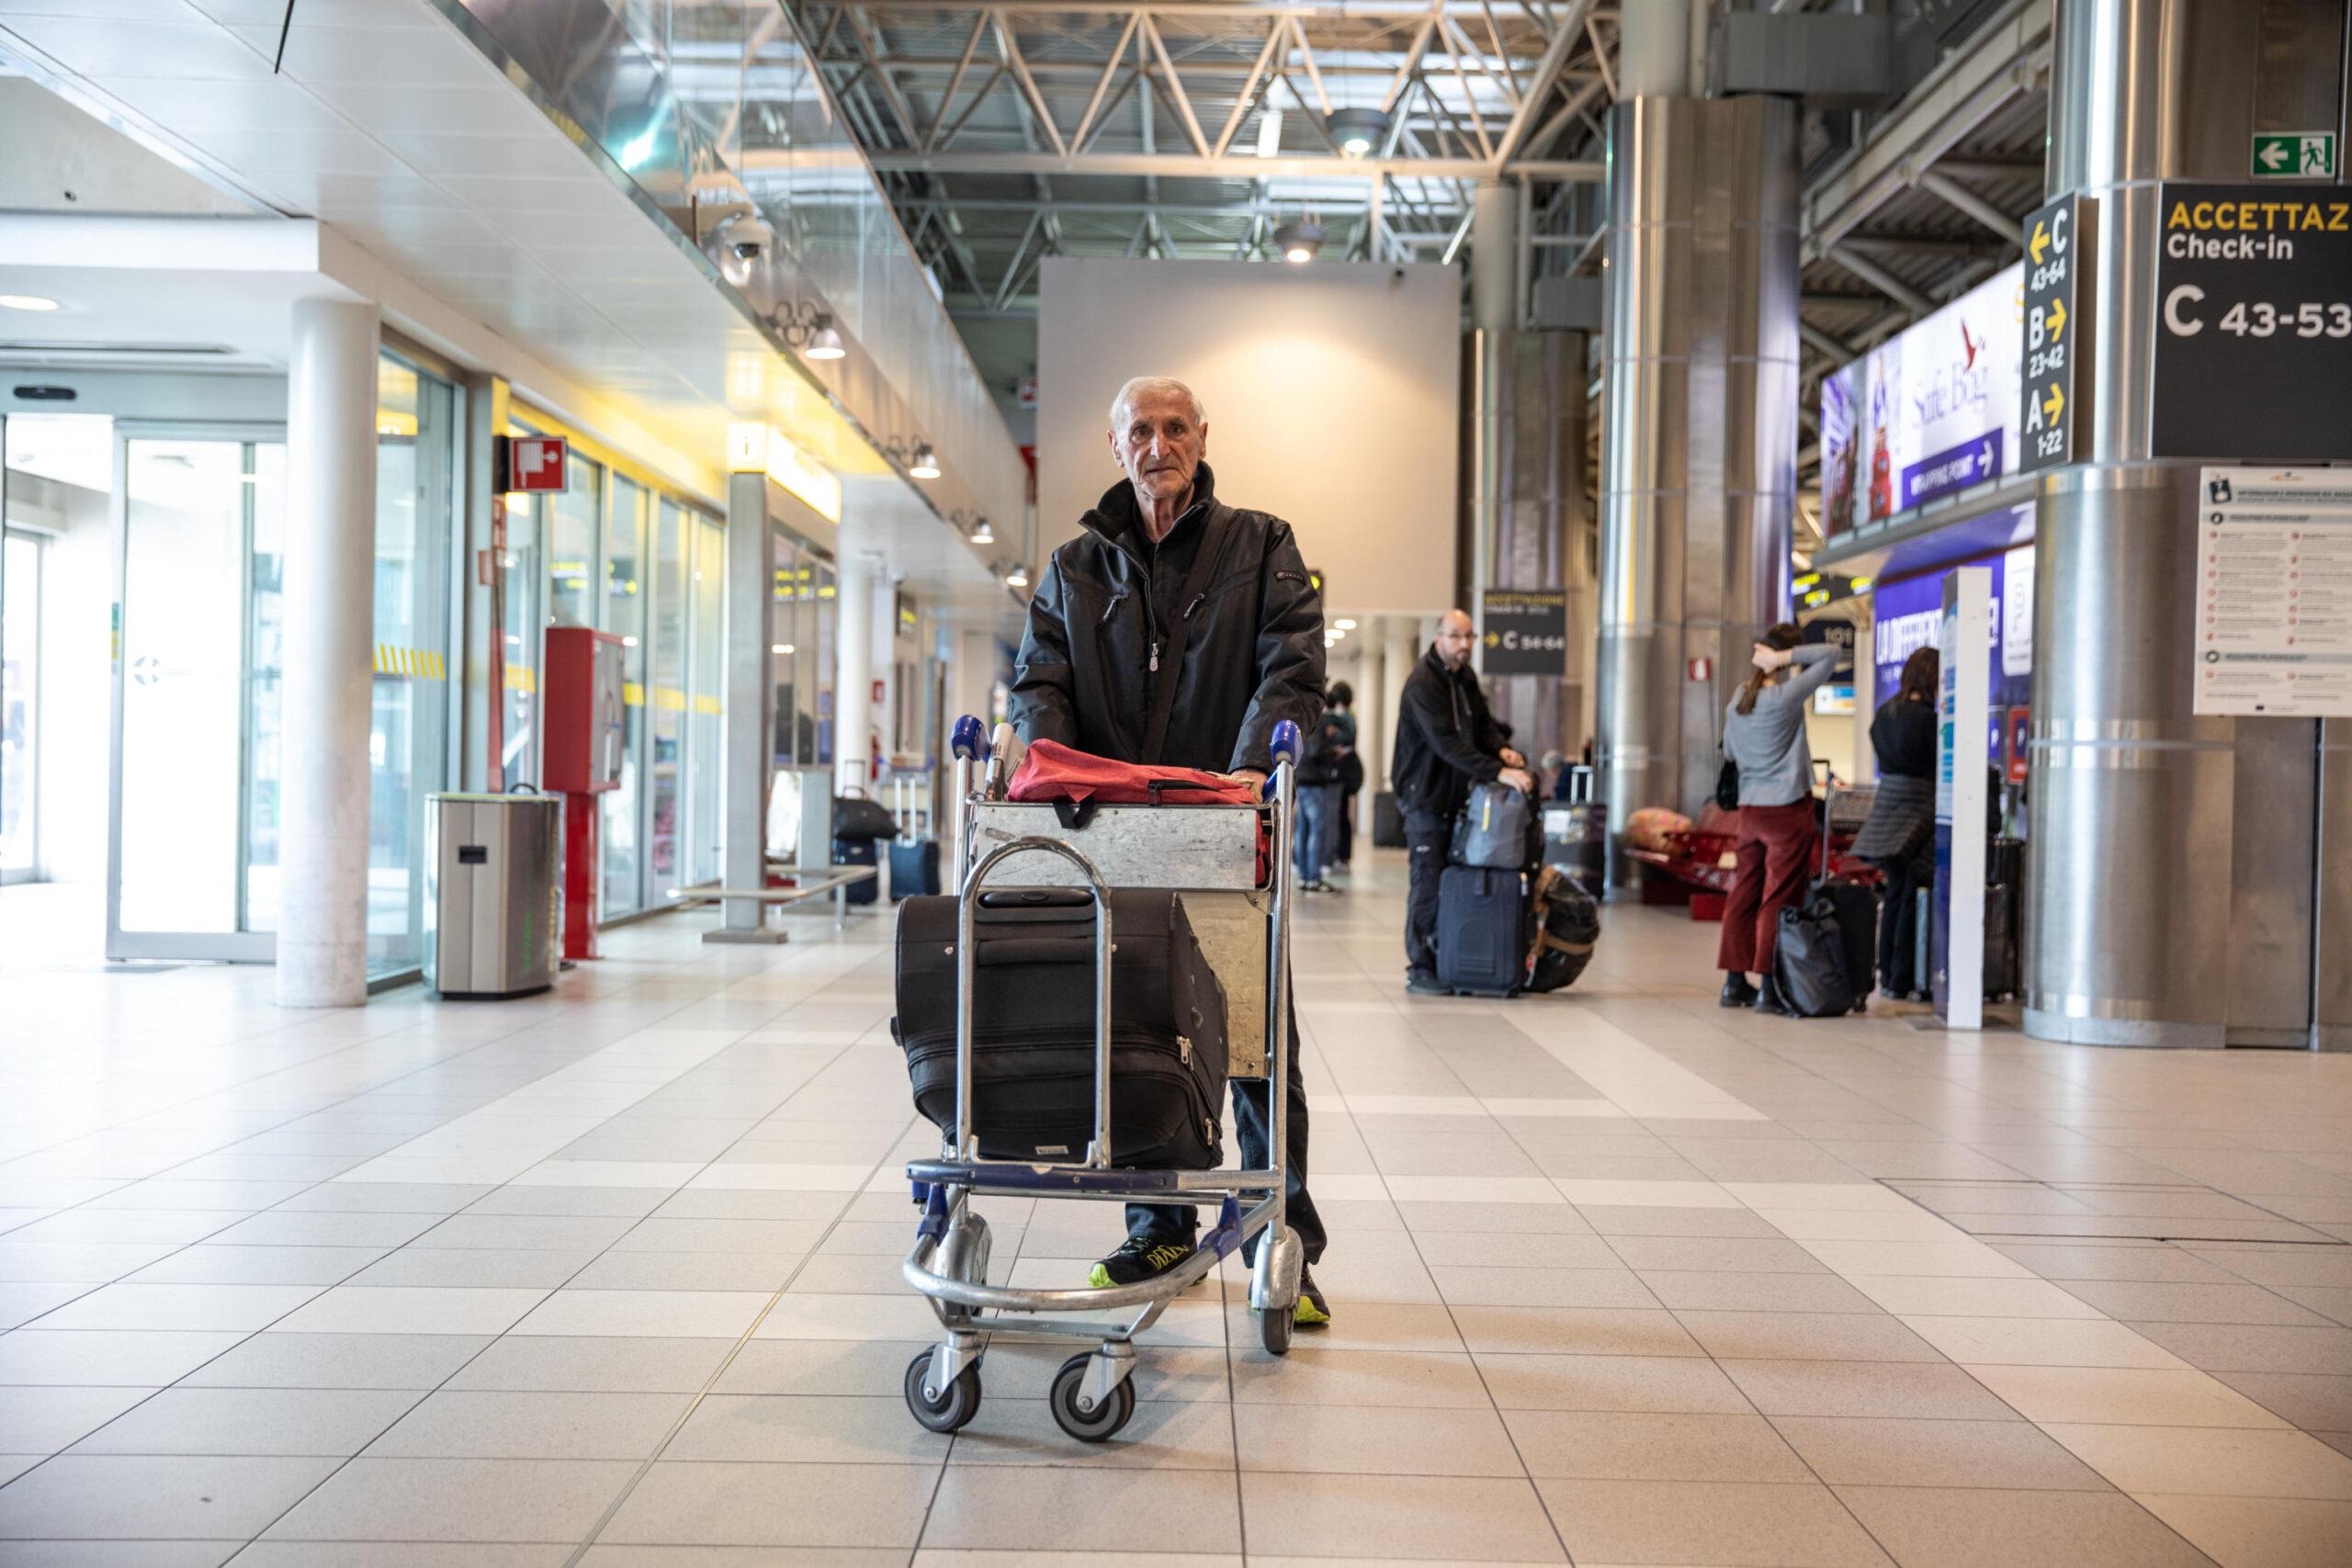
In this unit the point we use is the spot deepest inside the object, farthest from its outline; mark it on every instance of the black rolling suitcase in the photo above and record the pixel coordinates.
(857, 852)
(914, 868)
(1482, 938)
(1033, 1026)
(1387, 821)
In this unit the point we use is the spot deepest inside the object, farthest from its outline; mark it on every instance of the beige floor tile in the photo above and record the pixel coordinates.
(1806, 1336)
(1649, 1446)
(2123, 1396)
(2259, 1532)
(1938, 1259)
(1313, 1375)
(252, 1421)
(1901, 1451)
(1730, 1524)
(1374, 1517)
(1605, 1331)
(2042, 1342)
(674, 1314)
(1374, 1440)
(1163, 1434)
(1918, 1390)
(1910, 1294)
(139, 1496)
(742, 1504)
(1610, 1382)
(487, 1423)
(986, 1506)
(2213, 1461)
(1927, 1527)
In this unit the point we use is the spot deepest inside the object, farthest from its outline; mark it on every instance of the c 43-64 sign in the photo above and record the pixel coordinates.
(2253, 323)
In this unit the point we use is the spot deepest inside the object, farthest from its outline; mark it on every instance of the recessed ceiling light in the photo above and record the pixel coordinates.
(27, 302)
(1344, 624)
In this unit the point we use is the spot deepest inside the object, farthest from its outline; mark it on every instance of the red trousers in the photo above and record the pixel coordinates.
(1776, 846)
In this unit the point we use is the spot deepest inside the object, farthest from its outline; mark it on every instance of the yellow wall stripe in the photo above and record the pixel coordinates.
(708, 705)
(416, 663)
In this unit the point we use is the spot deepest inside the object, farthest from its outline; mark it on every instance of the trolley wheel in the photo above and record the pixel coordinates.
(957, 1404)
(1091, 1425)
(1275, 1326)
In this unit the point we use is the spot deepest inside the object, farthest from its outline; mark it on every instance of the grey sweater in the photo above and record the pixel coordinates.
(1768, 743)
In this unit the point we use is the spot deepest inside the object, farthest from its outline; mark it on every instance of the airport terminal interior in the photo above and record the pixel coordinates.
(1786, 756)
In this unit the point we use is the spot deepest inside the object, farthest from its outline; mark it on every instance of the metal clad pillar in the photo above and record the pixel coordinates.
(2175, 873)
(743, 784)
(854, 682)
(330, 575)
(1698, 436)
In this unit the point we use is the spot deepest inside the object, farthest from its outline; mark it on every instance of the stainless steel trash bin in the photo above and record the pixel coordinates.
(493, 894)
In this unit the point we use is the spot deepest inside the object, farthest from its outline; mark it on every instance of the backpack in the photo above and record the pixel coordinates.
(1567, 924)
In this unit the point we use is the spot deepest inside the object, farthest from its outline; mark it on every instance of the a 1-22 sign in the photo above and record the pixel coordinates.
(2253, 323)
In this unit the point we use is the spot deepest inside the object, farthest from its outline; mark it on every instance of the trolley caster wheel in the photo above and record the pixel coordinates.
(1274, 1326)
(957, 1404)
(1095, 1426)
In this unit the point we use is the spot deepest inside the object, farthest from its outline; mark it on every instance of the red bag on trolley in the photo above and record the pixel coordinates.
(1074, 782)
(1050, 771)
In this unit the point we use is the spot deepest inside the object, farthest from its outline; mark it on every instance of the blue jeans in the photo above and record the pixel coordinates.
(1319, 806)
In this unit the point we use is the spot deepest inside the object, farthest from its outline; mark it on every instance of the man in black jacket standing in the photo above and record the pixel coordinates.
(1177, 629)
(1446, 742)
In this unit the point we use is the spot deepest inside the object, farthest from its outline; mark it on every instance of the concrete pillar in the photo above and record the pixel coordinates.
(330, 577)
(746, 748)
(1494, 256)
(1397, 652)
(484, 663)
(853, 676)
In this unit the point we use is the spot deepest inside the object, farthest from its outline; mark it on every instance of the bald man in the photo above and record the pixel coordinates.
(1446, 742)
(1179, 630)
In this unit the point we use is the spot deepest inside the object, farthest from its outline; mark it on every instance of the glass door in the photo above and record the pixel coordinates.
(19, 704)
(193, 847)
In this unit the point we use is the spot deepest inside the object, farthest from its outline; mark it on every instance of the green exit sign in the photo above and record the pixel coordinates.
(2294, 155)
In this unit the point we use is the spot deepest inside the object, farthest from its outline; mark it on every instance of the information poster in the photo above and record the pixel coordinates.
(2274, 592)
(1526, 632)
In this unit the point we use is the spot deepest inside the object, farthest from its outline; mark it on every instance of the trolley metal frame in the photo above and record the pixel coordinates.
(1092, 1394)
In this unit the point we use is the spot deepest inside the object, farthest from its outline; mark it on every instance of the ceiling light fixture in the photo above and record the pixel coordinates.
(1344, 624)
(809, 327)
(25, 302)
(1299, 240)
(926, 462)
(1357, 130)
(982, 534)
(1017, 578)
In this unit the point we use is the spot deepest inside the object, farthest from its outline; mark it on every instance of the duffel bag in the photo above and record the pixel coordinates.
(1809, 958)
(856, 819)
(1567, 924)
(1033, 1026)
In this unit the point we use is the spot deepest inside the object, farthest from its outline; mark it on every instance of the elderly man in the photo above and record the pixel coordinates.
(1446, 742)
(1178, 629)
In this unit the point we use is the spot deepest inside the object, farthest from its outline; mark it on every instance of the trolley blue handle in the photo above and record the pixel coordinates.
(1287, 745)
(971, 739)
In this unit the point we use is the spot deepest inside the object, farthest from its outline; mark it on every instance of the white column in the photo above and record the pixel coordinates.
(853, 675)
(329, 571)
(1396, 655)
(749, 695)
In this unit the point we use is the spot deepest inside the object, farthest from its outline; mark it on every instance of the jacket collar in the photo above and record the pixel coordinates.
(1118, 519)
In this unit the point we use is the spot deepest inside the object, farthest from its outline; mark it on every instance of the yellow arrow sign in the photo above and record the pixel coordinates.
(2054, 404)
(2040, 242)
(1494, 640)
(2057, 318)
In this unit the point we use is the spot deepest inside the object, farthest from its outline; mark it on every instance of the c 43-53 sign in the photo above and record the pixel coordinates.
(2253, 323)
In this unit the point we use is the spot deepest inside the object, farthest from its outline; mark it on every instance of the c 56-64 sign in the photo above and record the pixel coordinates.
(1526, 632)
(2253, 323)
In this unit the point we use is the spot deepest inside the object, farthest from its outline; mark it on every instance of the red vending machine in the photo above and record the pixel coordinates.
(581, 706)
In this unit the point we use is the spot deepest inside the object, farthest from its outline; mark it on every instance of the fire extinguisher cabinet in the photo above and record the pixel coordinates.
(581, 703)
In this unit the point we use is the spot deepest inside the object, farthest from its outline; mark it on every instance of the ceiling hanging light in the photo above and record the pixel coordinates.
(925, 464)
(825, 342)
(1017, 578)
(1357, 130)
(982, 534)
(1299, 240)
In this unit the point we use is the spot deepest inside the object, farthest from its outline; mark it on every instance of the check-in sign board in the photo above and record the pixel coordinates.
(1526, 632)
(2046, 364)
(2253, 323)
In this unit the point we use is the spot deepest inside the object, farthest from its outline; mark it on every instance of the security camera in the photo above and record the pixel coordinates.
(748, 237)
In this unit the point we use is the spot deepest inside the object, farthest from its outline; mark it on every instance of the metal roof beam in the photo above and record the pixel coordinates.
(1180, 166)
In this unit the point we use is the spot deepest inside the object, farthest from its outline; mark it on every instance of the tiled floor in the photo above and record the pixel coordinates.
(610, 1278)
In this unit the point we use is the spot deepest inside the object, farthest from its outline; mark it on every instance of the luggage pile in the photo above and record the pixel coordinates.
(1505, 922)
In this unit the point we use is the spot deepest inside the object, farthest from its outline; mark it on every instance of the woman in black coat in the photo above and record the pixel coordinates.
(1900, 836)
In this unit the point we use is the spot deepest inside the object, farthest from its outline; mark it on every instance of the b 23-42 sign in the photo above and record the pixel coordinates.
(2253, 323)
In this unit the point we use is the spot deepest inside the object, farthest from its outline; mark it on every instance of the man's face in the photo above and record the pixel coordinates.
(1455, 639)
(1160, 444)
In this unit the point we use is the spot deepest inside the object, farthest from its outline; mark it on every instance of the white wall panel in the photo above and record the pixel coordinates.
(1331, 389)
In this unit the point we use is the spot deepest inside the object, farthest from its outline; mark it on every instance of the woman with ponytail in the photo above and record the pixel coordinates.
(1764, 736)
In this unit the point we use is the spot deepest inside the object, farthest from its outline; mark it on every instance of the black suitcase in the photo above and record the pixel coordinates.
(857, 852)
(914, 868)
(1482, 919)
(1809, 958)
(1856, 909)
(1387, 821)
(2001, 970)
(1033, 1026)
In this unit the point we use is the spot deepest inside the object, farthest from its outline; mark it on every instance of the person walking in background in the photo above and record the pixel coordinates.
(1899, 837)
(1446, 742)
(1764, 736)
(1315, 846)
(1341, 701)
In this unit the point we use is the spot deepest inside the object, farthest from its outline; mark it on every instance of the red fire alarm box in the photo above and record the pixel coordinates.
(581, 704)
(536, 462)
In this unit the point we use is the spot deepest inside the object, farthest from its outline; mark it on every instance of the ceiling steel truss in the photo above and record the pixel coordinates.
(1007, 133)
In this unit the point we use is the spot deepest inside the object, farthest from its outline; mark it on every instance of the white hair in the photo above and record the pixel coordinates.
(1141, 384)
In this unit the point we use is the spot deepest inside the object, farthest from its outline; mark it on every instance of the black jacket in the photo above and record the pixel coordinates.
(1447, 740)
(1098, 644)
(1903, 735)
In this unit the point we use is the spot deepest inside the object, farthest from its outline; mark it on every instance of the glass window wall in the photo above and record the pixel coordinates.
(707, 740)
(624, 601)
(19, 700)
(665, 702)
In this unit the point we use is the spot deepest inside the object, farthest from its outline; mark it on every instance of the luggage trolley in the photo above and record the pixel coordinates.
(1092, 1394)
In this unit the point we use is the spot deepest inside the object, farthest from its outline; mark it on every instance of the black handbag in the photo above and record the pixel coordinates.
(1033, 1026)
(856, 818)
(1809, 958)
(1727, 785)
